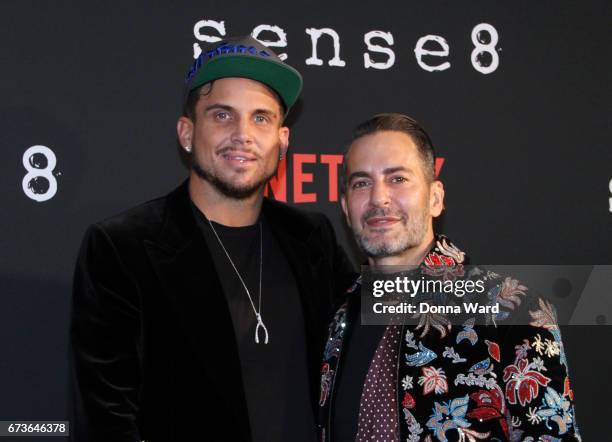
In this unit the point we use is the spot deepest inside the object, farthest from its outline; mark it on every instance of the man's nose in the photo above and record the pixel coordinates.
(380, 195)
(242, 131)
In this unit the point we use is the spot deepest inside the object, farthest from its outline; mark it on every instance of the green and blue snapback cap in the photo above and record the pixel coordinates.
(247, 58)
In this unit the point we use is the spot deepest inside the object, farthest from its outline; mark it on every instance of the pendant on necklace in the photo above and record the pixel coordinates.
(262, 325)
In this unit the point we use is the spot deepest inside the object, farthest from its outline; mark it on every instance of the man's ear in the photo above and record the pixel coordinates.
(184, 131)
(436, 198)
(283, 135)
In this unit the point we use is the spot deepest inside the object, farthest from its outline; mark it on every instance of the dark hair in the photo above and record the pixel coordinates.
(195, 94)
(192, 100)
(400, 123)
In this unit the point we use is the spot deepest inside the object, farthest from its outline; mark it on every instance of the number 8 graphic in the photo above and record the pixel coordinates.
(488, 48)
(33, 183)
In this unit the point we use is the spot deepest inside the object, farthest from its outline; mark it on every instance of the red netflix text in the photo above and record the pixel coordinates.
(310, 175)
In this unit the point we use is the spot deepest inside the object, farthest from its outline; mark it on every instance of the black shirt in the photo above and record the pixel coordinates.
(359, 348)
(274, 375)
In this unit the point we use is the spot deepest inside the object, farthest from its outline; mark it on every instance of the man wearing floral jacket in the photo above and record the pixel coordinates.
(438, 380)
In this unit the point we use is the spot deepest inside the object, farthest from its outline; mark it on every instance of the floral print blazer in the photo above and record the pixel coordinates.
(470, 382)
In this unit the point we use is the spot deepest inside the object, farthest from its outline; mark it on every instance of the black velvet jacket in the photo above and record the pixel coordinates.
(153, 346)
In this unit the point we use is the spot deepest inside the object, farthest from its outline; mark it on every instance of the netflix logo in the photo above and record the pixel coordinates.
(312, 177)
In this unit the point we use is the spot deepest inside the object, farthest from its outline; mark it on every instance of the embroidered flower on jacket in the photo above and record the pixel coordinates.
(555, 408)
(434, 262)
(521, 350)
(545, 316)
(552, 348)
(533, 417)
(524, 381)
(510, 293)
(433, 379)
(448, 416)
(447, 264)
(538, 364)
(408, 401)
(410, 342)
(414, 428)
(407, 382)
(490, 405)
(433, 320)
(450, 353)
(467, 435)
(442, 267)
(326, 378)
(449, 249)
(538, 344)
(470, 380)
(507, 295)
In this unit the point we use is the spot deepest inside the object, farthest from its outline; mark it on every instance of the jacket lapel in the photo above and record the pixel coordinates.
(188, 277)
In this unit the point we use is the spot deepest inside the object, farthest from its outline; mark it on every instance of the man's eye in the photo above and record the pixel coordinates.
(359, 184)
(222, 116)
(398, 179)
(261, 118)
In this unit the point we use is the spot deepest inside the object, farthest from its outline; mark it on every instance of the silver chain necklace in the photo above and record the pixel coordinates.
(260, 322)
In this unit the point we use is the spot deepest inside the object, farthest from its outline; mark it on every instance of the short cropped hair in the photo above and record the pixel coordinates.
(400, 123)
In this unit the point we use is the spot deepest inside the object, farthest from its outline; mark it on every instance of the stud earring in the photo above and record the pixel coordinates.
(188, 149)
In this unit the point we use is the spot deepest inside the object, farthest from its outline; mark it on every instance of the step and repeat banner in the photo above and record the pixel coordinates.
(515, 96)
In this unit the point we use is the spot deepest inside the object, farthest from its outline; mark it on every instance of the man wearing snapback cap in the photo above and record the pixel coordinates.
(202, 315)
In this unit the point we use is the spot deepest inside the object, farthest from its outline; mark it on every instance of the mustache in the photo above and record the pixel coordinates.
(379, 211)
(232, 149)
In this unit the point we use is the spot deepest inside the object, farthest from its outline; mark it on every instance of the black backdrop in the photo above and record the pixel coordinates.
(526, 147)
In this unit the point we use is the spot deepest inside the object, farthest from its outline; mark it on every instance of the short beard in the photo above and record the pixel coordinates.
(227, 189)
(412, 236)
